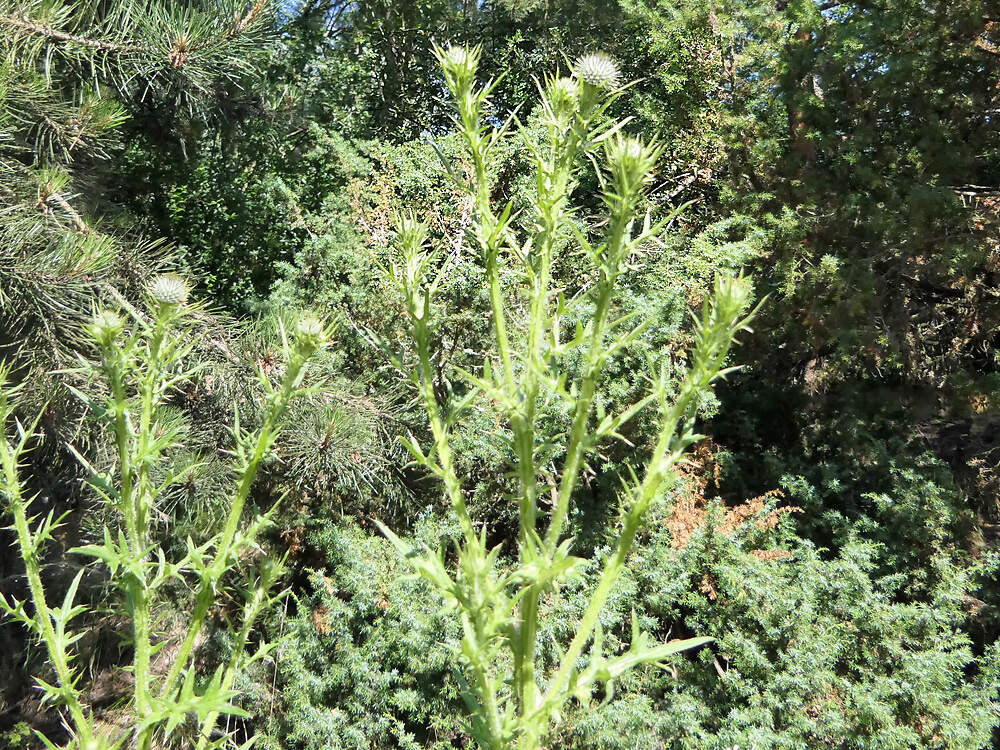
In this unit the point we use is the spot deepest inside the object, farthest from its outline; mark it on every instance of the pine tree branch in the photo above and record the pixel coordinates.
(74, 215)
(29, 26)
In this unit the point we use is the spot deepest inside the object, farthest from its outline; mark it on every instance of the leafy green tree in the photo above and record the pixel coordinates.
(852, 144)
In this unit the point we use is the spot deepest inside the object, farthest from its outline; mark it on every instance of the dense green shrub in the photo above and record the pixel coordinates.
(813, 649)
(369, 659)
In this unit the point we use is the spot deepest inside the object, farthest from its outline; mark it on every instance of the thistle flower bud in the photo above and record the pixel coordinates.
(455, 56)
(169, 289)
(310, 333)
(630, 149)
(564, 96)
(459, 65)
(105, 327)
(630, 161)
(309, 327)
(732, 296)
(410, 231)
(597, 70)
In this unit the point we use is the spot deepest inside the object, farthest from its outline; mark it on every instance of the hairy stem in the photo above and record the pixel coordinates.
(552, 194)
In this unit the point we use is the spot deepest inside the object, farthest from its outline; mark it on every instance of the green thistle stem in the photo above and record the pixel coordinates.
(220, 562)
(136, 585)
(28, 545)
(593, 365)
(553, 193)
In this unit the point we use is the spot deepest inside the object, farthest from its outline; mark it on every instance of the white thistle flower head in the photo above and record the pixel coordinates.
(169, 289)
(597, 70)
(106, 327)
(456, 56)
(635, 149)
(309, 326)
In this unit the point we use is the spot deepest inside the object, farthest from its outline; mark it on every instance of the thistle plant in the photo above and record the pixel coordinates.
(143, 359)
(513, 701)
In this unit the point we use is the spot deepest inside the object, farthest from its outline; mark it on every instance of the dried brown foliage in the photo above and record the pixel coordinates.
(321, 618)
(691, 511)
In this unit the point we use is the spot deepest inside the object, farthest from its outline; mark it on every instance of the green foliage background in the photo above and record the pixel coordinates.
(847, 155)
